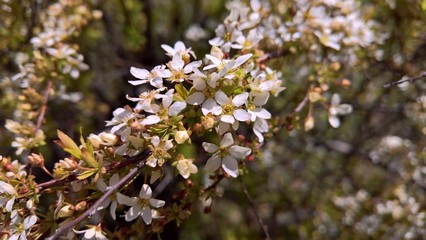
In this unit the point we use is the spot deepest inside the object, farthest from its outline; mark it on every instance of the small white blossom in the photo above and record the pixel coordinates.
(225, 155)
(186, 167)
(93, 232)
(140, 206)
(336, 109)
(100, 184)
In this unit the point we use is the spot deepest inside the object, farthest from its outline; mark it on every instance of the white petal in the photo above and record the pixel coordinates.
(145, 192)
(239, 152)
(29, 221)
(177, 62)
(139, 73)
(156, 203)
(199, 83)
(133, 213)
(213, 163)
(155, 140)
(112, 209)
(138, 82)
(126, 200)
(147, 215)
(334, 121)
(221, 98)
(227, 118)
(227, 140)
(196, 98)
(242, 115)
(240, 99)
(176, 108)
(230, 165)
(210, 147)
(89, 233)
(210, 106)
(335, 99)
(222, 127)
(170, 51)
(114, 179)
(344, 109)
(242, 59)
(262, 113)
(180, 46)
(157, 82)
(9, 204)
(101, 185)
(261, 99)
(152, 119)
(189, 68)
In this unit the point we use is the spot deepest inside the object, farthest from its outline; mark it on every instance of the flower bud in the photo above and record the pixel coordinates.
(66, 211)
(181, 136)
(81, 206)
(108, 138)
(36, 159)
(207, 122)
(95, 140)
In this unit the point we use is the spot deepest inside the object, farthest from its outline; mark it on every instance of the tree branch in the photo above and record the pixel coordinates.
(263, 226)
(411, 80)
(40, 117)
(110, 190)
(109, 168)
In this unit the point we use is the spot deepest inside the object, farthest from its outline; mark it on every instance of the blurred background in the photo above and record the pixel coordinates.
(365, 179)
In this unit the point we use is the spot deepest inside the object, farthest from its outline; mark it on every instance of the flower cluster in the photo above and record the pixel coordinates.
(52, 58)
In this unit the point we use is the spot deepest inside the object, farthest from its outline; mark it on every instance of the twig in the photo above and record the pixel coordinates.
(109, 168)
(112, 189)
(411, 80)
(253, 206)
(40, 117)
(301, 105)
(220, 177)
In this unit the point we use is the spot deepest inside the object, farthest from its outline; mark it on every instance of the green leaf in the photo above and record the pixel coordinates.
(69, 145)
(86, 174)
(89, 158)
(181, 90)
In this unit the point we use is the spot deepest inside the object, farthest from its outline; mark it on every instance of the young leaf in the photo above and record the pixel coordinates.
(86, 174)
(69, 145)
(88, 158)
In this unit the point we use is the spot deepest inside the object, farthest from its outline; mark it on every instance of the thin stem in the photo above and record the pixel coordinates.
(263, 226)
(411, 80)
(112, 189)
(109, 168)
(43, 108)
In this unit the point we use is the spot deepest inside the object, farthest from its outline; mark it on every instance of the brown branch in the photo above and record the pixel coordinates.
(110, 190)
(43, 108)
(109, 168)
(411, 80)
(263, 226)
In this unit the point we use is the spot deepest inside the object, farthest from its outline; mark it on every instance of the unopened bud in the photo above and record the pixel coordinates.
(208, 122)
(81, 206)
(36, 159)
(181, 136)
(66, 211)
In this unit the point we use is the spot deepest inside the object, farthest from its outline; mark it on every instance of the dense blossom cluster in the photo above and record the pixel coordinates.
(52, 60)
(218, 100)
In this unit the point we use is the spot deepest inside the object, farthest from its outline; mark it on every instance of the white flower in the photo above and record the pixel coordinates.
(179, 48)
(230, 107)
(178, 70)
(225, 155)
(93, 232)
(186, 167)
(328, 39)
(100, 184)
(159, 149)
(18, 229)
(8, 195)
(155, 77)
(140, 206)
(336, 109)
(181, 136)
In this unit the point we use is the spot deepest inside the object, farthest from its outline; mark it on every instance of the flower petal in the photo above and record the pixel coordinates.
(196, 98)
(210, 106)
(227, 118)
(151, 119)
(145, 192)
(133, 213)
(227, 140)
(147, 215)
(240, 99)
(242, 59)
(213, 163)
(230, 165)
(139, 73)
(176, 108)
(210, 147)
(221, 98)
(239, 152)
(156, 202)
(242, 115)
